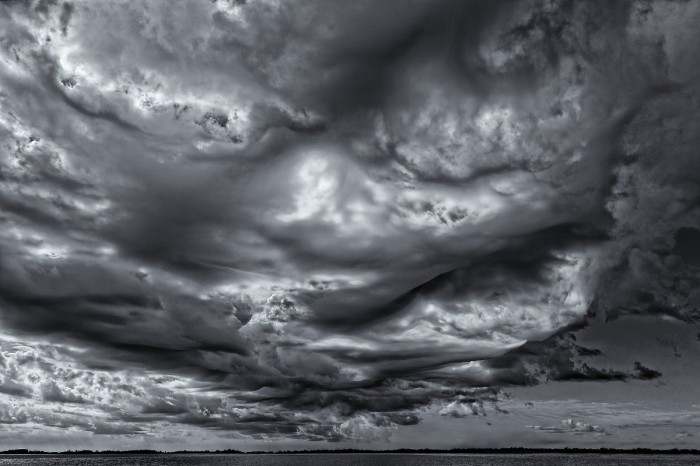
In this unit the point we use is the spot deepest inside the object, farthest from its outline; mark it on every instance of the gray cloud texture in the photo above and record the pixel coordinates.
(314, 220)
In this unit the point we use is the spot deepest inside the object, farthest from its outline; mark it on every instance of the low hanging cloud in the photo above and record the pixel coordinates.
(249, 217)
(570, 426)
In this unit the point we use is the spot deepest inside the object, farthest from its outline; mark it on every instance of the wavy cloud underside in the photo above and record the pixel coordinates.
(321, 220)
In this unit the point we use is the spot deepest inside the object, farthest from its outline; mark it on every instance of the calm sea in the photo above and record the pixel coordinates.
(347, 460)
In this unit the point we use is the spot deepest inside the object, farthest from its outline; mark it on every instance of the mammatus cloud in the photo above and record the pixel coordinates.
(249, 217)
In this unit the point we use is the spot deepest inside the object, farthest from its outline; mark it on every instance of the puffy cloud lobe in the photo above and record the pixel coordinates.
(571, 426)
(338, 229)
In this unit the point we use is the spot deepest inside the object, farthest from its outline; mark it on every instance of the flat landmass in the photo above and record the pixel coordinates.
(486, 451)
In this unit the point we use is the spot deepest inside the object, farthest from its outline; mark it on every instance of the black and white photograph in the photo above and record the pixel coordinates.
(349, 232)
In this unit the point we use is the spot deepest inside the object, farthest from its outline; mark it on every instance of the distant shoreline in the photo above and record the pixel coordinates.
(472, 451)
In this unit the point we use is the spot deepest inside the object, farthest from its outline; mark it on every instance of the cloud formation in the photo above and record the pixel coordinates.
(249, 217)
(571, 426)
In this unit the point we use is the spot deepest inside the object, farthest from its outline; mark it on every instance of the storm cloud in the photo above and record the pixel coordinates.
(321, 220)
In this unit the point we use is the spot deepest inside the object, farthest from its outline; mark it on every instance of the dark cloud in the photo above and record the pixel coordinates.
(66, 13)
(13, 388)
(645, 372)
(262, 221)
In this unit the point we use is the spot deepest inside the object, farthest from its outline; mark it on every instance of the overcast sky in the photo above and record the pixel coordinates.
(322, 224)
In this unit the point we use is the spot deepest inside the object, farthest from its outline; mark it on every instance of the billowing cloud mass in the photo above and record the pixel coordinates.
(315, 220)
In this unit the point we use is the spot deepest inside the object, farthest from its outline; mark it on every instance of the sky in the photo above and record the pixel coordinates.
(266, 225)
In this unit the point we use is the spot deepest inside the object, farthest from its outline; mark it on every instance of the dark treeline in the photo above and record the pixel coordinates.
(489, 451)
